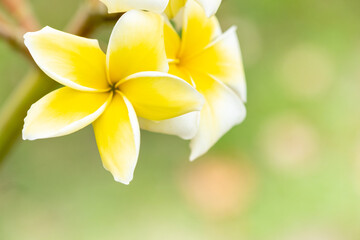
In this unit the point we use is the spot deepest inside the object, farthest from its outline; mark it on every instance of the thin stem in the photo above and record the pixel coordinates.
(22, 12)
(34, 86)
(13, 37)
(90, 16)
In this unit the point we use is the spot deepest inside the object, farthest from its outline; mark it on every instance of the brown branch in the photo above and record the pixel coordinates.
(90, 16)
(13, 37)
(31, 88)
(22, 13)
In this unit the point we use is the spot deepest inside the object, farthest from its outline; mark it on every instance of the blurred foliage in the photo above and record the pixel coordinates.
(290, 171)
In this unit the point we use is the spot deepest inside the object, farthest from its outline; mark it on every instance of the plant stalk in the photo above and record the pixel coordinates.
(32, 88)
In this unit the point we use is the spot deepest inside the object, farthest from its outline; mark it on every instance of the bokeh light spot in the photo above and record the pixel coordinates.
(306, 72)
(289, 143)
(218, 186)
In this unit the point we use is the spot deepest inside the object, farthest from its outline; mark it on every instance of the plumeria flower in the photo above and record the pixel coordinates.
(110, 90)
(211, 62)
(171, 7)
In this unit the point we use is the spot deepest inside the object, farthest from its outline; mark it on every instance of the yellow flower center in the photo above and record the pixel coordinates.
(113, 88)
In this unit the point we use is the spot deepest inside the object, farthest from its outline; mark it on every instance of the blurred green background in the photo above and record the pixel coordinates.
(291, 171)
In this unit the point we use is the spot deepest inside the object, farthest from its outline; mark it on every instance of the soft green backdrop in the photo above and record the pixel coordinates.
(291, 171)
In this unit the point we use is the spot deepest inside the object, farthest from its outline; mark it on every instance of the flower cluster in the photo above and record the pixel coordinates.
(168, 69)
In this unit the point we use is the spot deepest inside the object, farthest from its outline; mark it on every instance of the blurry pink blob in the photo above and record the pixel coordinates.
(218, 187)
(289, 143)
(306, 72)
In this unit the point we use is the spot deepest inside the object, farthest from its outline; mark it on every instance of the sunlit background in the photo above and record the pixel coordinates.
(291, 171)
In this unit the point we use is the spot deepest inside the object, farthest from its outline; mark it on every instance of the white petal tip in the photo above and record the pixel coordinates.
(193, 157)
(44, 29)
(187, 137)
(26, 136)
(123, 181)
(210, 14)
(27, 35)
(233, 28)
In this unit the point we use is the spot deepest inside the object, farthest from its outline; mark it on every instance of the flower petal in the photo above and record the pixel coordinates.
(136, 45)
(160, 96)
(222, 60)
(117, 135)
(173, 7)
(73, 61)
(198, 30)
(182, 73)
(62, 112)
(223, 109)
(210, 6)
(172, 41)
(115, 6)
(185, 126)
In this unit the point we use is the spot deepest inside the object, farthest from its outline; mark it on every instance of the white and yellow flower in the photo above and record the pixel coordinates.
(171, 7)
(110, 90)
(211, 62)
